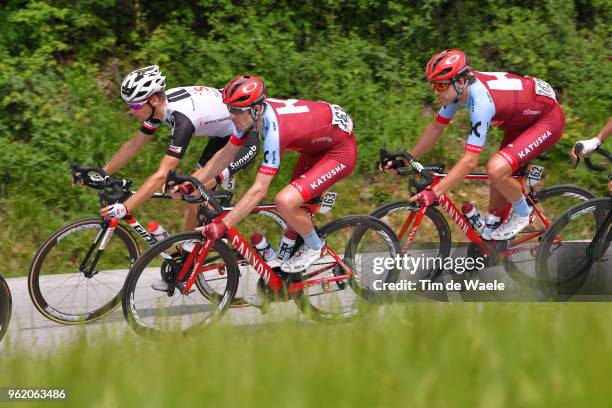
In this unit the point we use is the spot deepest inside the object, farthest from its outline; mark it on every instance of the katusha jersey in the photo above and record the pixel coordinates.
(507, 101)
(311, 128)
(195, 111)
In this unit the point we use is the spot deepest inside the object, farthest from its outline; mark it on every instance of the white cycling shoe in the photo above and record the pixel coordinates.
(513, 225)
(303, 258)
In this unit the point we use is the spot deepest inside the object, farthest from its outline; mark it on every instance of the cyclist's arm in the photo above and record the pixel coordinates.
(251, 198)
(218, 162)
(428, 138)
(126, 152)
(434, 130)
(592, 144)
(153, 183)
(606, 131)
(466, 164)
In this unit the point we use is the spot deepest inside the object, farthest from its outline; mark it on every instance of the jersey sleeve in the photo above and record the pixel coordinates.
(446, 113)
(482, 111)
(272, 153)
(182, 131)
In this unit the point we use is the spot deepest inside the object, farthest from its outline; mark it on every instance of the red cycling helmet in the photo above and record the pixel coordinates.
(244, 91)
(448, 64)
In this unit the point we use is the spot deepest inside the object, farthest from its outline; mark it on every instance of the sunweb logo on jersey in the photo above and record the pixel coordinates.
(452, 59)
(249, 87)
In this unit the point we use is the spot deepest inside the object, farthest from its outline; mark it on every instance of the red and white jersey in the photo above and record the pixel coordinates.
(507, 101)
(294, 124)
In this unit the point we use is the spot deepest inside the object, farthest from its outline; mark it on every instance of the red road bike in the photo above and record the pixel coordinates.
(424, 231)
(334, 287)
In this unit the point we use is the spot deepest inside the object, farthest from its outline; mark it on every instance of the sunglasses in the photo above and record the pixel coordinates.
(236, 111)
(136, 106)
(440, 86)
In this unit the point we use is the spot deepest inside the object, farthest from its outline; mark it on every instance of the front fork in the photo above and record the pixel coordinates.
(105, 234)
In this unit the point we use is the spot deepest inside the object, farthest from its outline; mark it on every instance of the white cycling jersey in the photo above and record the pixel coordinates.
(195, 111)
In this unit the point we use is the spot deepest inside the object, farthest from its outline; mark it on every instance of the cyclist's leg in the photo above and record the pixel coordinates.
(497, 200)
(538, 138)
(311, 177)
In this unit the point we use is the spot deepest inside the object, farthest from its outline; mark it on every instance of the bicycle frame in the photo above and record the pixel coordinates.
(446, 203)
(267, 273)
(103, 238)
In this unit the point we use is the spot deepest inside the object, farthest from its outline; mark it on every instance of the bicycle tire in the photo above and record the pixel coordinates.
(41, 297)
(6, 306)
(136, 319)
(439, 232)
(573, 268)
(362, 224)
(527, 277)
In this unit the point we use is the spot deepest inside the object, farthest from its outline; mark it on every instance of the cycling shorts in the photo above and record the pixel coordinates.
(521, 146)
(313, 174)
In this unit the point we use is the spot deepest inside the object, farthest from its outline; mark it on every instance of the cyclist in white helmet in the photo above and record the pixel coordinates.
(189, 111)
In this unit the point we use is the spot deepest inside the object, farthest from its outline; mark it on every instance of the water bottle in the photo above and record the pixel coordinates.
(492, 222)
(157, 231)
(473, 216)
(286, 245)
(263, 247)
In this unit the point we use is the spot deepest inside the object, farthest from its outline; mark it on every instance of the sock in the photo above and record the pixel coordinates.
(313, 240)
(521, 207)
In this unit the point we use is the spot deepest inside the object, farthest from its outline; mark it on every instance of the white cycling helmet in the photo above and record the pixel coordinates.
(142, 83)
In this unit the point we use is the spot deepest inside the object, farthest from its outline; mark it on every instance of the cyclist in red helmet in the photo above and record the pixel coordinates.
(323, 135)
(525, 108)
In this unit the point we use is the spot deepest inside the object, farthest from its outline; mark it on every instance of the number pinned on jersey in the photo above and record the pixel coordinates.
(341, 119)
(535, 174)
(228, 184)
(544, 89)
(327, 202)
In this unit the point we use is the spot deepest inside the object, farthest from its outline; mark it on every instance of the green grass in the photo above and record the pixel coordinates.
(423, 355)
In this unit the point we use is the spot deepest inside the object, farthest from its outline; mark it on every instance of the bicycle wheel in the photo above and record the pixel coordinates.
(576, 245)
(362, 242)
(552, 202)
(71, 281)
(272, 226)
(433, 238)
(5, 306)
(150, 312)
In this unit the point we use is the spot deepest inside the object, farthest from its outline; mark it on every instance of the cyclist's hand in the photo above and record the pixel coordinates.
(587, 147)
(391, 166)
(214, 230)
(425, 198)
(179, 190)
(77, 181)
(117, 210)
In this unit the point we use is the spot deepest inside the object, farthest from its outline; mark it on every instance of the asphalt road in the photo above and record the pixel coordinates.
(29, 329)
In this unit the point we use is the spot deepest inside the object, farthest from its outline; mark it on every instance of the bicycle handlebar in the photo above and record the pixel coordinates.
(417, 166)
(174, 179)
(587, 161)
(98, 179)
